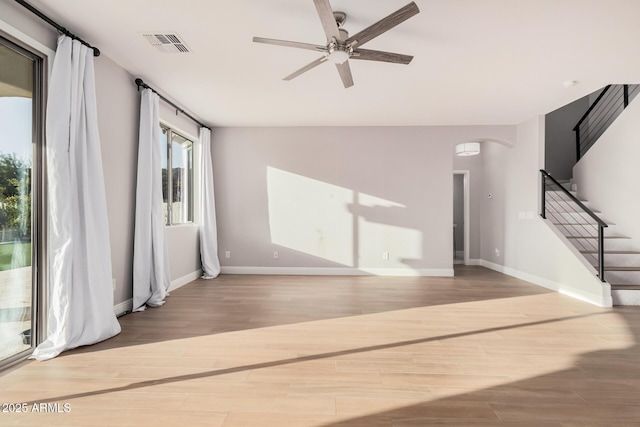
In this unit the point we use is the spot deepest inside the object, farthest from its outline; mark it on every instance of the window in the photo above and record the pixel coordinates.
(177, 186)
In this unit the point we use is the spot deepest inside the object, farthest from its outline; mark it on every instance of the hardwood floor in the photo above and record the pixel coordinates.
(479, 349)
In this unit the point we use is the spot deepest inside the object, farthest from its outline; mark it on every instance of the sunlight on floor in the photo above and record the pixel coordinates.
(322, 372)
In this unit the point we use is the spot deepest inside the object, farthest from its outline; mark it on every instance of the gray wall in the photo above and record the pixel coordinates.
(118, 112)
(118, 115)
(17, 16)
(560, 139)
(338, 196)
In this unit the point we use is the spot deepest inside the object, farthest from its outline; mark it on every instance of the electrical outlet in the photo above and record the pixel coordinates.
(497, 252)
(227, 254)
(276, 255)
(385, 256)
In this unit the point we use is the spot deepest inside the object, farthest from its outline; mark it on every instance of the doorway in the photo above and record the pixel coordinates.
(460, 232)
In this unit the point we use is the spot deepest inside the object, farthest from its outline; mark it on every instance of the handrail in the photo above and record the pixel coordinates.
(575, 200)
(606, 88)
(601, 224)
(608, 105)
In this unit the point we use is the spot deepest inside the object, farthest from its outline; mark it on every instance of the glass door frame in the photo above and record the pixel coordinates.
(41, 63)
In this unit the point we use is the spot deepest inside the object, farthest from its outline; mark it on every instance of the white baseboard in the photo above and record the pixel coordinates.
(123, 307)
(599, 300)
(474, 262)
(330, 271)
(181, 281)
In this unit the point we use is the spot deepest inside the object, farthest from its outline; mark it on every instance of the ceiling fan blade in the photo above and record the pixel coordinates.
(306, 68)
(287, 43)
(345, 74)
(378, 55)
(328, 21)
(384, 24)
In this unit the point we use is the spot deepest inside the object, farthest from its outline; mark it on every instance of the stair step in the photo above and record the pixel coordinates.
(562, 198)
(628, 268)
(620, 258)
(590, 230)
(611, 252)
(625, 287)
(615, 236)
(572, 209)
(610, 224)
(612, 237)
(625, 296)
(572, 217)
(575, 211)
(611, 243)
(564, 195)
(622, 276)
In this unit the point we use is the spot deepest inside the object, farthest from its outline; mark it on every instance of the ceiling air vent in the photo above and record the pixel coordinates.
(167, 42)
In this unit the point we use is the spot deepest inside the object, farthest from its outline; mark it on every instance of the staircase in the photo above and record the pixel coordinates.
(614, 257)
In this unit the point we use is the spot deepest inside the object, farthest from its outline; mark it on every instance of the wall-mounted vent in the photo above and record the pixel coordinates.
(167, 42)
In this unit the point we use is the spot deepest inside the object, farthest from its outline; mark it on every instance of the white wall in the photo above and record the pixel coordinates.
(118, 115)
(607, 175)
(337, 198)
(528, 248)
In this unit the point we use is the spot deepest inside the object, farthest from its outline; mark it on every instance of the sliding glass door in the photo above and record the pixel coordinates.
(20, 135)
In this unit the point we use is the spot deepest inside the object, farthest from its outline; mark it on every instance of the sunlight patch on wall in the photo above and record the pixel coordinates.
(402, 244)
(339, 224)
(373, 202)
(310, 216)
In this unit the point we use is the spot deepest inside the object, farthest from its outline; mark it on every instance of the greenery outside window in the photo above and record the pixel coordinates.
(177, 186)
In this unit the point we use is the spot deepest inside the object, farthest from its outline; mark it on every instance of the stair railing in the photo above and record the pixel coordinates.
(605, 109)
(554, 206)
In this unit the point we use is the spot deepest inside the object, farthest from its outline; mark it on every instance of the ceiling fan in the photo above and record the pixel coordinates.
(340, 47)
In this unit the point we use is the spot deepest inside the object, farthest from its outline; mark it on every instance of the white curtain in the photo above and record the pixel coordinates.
(151, 276)
(208, 228)
(80, 297)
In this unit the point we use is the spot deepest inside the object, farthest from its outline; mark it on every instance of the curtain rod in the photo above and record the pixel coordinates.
(60, 28)
(139, 82)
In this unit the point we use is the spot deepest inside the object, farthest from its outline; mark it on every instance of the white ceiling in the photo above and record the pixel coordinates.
(476, 61)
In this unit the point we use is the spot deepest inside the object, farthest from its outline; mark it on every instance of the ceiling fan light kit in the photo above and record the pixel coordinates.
(340, 47)
(338, 56)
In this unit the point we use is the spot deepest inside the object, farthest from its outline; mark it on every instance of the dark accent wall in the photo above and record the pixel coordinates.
(560, 139)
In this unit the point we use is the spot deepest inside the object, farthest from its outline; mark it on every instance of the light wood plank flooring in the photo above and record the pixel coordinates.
(478, 349)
